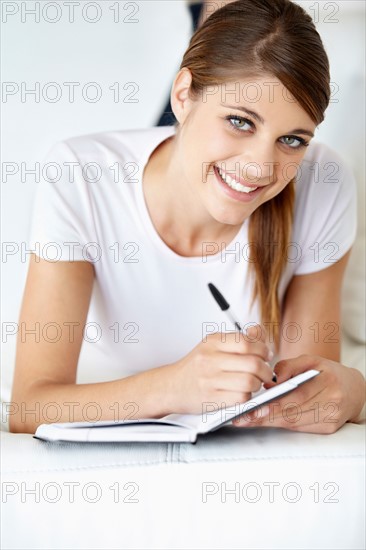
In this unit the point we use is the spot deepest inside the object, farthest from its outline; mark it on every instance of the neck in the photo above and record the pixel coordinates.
(175, 205)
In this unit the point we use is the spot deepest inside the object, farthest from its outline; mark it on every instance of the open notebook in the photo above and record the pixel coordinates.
(173, 427)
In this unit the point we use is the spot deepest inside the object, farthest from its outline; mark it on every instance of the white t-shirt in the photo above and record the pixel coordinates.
(151, 306)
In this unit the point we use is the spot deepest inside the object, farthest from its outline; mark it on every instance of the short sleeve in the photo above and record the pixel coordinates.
(61, 220)
(325, 223)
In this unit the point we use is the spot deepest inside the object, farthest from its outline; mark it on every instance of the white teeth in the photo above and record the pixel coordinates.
(234, 184)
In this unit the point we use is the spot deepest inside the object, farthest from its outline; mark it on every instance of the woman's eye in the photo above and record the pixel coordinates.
(293, 138)
(239, 122)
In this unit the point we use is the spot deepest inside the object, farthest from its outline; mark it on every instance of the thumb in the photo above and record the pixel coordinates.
(288, 368)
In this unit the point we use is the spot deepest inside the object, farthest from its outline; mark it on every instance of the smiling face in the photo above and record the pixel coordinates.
(253, 130)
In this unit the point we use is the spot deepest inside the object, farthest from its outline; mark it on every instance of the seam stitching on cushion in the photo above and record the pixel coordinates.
(228, 459)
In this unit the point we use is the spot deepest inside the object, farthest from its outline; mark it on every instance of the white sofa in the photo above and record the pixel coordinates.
(236, 488)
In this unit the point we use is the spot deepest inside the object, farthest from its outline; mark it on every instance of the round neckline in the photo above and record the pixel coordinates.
(158, 139)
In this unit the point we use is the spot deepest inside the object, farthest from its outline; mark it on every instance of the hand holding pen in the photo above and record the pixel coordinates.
(220, 371)
(223, 304)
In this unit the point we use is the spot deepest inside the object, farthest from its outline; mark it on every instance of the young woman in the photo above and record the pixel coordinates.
(147, 218)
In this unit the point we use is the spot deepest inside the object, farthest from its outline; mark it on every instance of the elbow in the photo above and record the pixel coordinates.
(16, 426)
(22, 417)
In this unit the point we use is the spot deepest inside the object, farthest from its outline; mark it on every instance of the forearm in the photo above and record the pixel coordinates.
(144, 395)
(360, 385)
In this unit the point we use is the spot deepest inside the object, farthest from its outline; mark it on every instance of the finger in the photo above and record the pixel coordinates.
(256, 333)
(252, 418)
(300, 399)
(322, 427)
(289, 414)
(259, 333)
(252, 364)
(316, 410)
(236, 342)
(307, 421)
(303, 393)
(288, 368)
(239, 382)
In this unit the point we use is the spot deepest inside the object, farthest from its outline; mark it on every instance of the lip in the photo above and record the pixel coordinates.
(238, 179)
(237, 195)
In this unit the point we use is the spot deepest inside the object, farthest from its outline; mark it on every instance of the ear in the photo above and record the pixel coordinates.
(179, 100)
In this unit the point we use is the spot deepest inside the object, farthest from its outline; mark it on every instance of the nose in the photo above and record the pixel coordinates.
(259, 164)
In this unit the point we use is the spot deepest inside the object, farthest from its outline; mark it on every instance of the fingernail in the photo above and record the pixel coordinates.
(237, 421)
(270, 355)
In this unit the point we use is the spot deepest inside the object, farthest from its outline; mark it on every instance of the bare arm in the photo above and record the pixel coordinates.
(337, 395)
(313, 307)
(44, 385)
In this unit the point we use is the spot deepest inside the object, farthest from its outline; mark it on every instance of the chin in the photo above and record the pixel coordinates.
(227, 217)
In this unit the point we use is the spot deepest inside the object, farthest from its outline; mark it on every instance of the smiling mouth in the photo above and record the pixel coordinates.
(233, 184)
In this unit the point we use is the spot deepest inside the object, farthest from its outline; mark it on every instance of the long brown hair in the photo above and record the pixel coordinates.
(273, 37)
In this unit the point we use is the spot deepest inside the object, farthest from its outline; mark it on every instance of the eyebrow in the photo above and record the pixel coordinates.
(257, 117)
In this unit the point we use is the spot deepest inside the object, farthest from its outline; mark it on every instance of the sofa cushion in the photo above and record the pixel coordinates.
(235, 488)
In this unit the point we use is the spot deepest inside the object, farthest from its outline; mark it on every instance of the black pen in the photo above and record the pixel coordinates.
(226, 307)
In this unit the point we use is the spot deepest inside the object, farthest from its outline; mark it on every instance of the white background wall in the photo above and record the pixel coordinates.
(144, 47)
